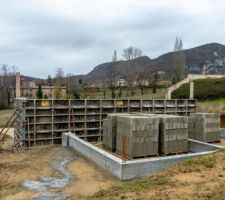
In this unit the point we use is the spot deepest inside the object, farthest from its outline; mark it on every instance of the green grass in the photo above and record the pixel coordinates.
(137, 186)
(5, 116)
(160, 94)
(206, 89)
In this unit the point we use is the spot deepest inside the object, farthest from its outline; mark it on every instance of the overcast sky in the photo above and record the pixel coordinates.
(40, 35)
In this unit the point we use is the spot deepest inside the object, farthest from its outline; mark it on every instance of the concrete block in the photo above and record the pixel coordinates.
(204, 127)
(110, 130)
(137, 136)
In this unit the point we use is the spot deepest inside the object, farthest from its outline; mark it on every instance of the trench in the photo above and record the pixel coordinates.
(44, 184)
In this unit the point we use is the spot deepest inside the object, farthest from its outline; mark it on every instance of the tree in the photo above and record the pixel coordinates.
(104, 90)
(155, 79)
(59, 76)
(49, 80)
(39, 93)
(111, 72)
(130, 54)
(80, 81)
(179, 60)
(57, 93)
(7, 84)
(76, 94)
(120, 93)
(141, 85)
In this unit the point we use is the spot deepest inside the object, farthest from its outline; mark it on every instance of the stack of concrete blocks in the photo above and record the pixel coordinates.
(191, 127)
(204, 127)
(173, 133)
(110, 130)
(137, 136)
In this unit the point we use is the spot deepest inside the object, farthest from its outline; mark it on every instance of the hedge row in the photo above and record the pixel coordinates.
(207, 89)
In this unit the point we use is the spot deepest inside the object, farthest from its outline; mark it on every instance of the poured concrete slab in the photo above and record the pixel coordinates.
(130, 169)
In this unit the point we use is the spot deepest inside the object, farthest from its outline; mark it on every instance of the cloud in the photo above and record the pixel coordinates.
(41, 35)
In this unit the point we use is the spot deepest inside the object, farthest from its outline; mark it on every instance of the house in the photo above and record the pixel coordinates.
(121, 83)
(29, 89)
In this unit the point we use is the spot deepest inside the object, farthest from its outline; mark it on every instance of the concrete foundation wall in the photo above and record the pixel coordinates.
(126, 170)
(139, 168)
(98, 156)
(198, 146)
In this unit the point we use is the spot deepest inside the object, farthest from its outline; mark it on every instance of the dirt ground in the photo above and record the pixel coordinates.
(199, 178)
(5, 116)
(17, 167)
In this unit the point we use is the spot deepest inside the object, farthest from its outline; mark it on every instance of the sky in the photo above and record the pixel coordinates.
(38, 36)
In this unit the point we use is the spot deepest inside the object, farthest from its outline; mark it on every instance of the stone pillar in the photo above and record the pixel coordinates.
(191, 90)
(168, 94)
(17, 84)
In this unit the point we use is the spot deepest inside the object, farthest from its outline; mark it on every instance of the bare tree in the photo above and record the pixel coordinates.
(179, 60)
(73, 85)
(7, 84)
(59, 81)
(155, 79)
(141, 80)
(59, 75)
(112, 78)
(130, 54)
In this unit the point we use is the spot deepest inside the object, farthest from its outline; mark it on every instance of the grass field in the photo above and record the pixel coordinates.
(217, 106)
(160, 94)
(5, 116)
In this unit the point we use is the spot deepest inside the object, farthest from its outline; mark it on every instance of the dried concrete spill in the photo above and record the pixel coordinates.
(44, 184)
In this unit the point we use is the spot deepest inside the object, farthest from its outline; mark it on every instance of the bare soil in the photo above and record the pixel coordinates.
(199, 178)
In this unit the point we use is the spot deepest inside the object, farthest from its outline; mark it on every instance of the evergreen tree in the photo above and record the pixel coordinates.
(39, 93)
(49, 80)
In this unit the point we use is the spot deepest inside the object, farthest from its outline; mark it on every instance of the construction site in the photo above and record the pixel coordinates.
(93, 148)
(119, 139)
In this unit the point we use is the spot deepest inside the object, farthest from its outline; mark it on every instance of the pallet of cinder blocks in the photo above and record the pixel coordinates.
(173, 133)
(110, 129)
(204, 127)
(137, 136)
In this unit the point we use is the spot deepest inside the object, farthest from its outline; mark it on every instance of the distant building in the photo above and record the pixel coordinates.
(48, 91)
(29, 89)
(142, 82)
(121, 83)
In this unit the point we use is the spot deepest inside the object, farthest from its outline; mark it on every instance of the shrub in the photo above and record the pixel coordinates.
(207, 89)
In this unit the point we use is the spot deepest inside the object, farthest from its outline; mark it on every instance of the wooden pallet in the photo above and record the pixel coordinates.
(173, 153)
(127, 157)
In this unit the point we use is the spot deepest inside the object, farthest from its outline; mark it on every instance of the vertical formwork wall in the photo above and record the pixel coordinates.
(43, 121)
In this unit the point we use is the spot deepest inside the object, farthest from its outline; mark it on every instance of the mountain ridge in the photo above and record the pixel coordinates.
(210, 57)
(207, 57)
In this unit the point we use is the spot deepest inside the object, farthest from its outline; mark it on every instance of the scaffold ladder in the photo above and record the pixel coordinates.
(9, 124)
